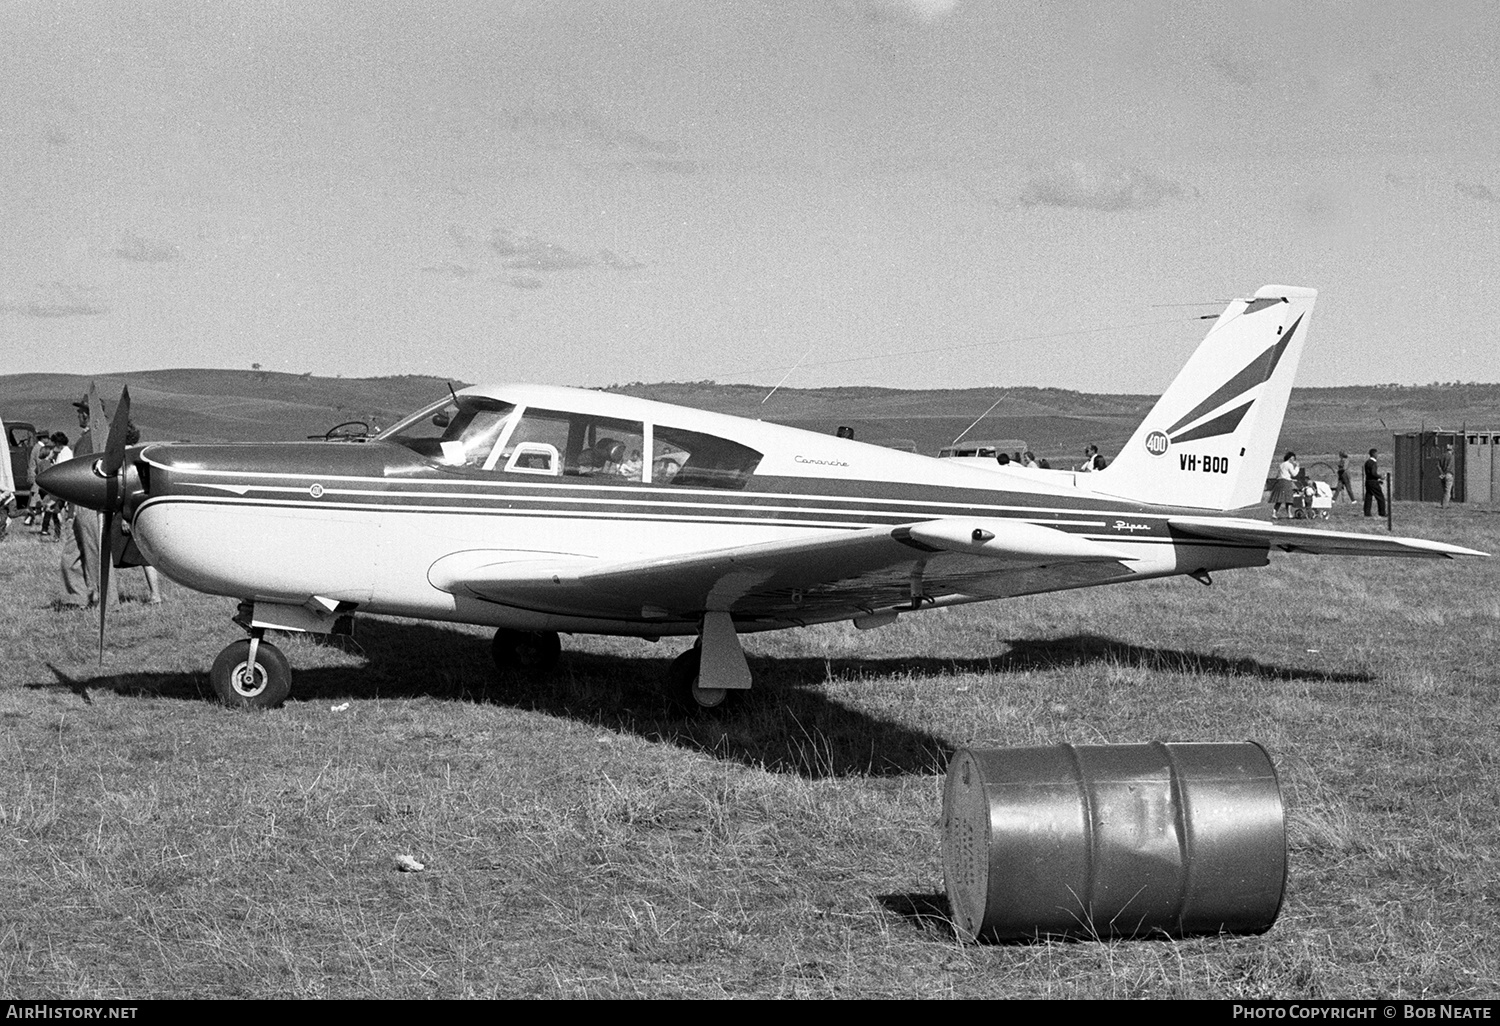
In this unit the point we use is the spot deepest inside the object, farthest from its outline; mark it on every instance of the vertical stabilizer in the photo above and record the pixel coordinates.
(1211, 438)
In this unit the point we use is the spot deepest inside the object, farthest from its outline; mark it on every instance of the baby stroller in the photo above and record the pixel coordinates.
(1314, 501)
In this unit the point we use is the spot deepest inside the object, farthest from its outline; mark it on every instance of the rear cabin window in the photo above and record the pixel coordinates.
(692, 460)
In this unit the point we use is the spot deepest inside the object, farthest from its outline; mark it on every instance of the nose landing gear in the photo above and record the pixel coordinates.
(251, 674)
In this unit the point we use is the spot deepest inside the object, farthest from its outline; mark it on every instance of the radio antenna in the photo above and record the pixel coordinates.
(983, 415)
(786, 375)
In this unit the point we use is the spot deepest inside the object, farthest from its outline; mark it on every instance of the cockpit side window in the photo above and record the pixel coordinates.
(579, 445)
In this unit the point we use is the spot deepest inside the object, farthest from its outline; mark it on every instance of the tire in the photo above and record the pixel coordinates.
(530, 653)
(687, 696)
(270, 686)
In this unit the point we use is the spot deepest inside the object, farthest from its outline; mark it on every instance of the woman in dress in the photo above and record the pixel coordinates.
(1284, 491)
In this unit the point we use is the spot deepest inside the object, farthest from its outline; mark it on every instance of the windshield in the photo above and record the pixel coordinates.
(457, 432)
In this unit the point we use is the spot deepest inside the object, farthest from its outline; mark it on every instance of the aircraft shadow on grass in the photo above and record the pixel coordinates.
(786, 725)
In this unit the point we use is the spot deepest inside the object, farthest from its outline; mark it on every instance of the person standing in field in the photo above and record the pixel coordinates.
(52, 506)
(1344, 485)
(1445, 464)
(82, 546)
(1374, 492)
(40, 451)
(1284, 491)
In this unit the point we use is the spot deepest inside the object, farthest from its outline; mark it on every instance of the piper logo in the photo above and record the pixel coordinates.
(1156, 443)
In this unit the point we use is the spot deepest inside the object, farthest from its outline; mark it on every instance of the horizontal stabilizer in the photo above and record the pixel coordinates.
(1316, 542)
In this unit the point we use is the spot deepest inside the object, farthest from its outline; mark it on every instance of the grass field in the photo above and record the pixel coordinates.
(580, 840)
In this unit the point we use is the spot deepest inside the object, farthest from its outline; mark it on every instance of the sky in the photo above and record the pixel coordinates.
(908, 193)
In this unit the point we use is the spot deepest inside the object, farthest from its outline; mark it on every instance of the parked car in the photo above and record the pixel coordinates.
(988, 449)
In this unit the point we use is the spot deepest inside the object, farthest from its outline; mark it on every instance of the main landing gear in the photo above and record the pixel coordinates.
(711, 676)
(708, 678)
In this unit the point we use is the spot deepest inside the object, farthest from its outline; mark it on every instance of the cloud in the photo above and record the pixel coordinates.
(56, 300)
(1476, 191)
(618, 261)
(661, 165)
(920, 12)
(524, 252)
(1237, 71)
(461, 237)
(449, 269)
(42, 308)
(1083, 187)
(573, 126)
(146, 251)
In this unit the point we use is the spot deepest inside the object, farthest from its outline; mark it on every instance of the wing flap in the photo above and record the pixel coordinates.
(1314, 541)
(769, 575)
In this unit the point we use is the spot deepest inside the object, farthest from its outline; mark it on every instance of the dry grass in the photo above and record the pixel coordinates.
(581, 841)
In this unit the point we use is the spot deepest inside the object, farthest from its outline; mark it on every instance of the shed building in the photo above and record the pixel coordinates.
(1476, 472)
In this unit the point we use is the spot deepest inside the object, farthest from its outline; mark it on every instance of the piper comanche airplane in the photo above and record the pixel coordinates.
(538, 510)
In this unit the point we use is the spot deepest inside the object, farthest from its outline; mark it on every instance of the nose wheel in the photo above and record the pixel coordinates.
(251, 674)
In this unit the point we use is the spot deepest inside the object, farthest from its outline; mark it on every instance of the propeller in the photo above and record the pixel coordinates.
(108, 467)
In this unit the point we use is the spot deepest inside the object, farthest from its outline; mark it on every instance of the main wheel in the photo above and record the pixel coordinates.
(263, 686)
(685, 692)
(531, 653)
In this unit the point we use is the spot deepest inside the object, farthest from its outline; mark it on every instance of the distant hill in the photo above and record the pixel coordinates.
(221, 405)
(233, 405)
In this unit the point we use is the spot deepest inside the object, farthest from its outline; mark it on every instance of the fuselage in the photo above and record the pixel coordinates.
(373, 525)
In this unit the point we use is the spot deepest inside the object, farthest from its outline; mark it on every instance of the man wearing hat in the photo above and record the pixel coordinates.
(81, 545)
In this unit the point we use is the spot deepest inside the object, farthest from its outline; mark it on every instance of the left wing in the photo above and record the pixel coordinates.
(867, 568)
(1314, 541)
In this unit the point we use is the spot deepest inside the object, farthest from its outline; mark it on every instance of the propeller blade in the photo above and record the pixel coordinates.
(114, 448)
(98, 423)
(104, 567)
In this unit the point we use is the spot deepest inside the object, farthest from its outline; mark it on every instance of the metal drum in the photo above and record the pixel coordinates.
(1098, 841)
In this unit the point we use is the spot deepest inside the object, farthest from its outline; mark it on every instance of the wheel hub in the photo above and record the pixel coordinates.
(248, 681)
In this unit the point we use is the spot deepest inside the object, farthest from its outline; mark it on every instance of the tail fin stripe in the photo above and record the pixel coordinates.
(1221, 425)
(1256, 371)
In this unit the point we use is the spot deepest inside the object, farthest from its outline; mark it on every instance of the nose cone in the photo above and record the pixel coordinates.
(77, 481)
